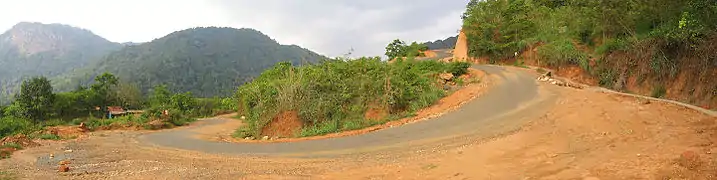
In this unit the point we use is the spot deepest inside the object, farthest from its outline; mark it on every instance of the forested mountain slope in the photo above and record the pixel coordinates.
(35, 49)
(208, 61)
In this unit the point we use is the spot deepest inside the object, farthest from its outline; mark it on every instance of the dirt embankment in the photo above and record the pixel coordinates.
(685, 75)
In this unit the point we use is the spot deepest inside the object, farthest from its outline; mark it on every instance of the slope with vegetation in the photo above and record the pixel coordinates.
(662, 48)
(204, 61)
(35, 49)
(37, 109)
(341, 94)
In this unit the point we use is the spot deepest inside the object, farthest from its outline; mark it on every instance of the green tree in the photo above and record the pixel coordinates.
(128, 95)
(183, 102)
(160, 96)
(396, 48)
(101, 94)
(36, 98)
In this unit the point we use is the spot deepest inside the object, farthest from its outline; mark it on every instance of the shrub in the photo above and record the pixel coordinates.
(563, 52)
(612, 45)
(330, 94)
(13, 125)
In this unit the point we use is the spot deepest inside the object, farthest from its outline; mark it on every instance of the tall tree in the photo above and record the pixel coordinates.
(101, 93)
(395, 49)
(36, 98)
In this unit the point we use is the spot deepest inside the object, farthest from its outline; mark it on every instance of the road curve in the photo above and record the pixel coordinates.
(486, 115)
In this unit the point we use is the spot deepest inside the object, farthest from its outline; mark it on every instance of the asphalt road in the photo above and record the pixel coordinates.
(498, 110)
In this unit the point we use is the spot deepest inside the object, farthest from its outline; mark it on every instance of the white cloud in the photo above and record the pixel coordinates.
(329, 27)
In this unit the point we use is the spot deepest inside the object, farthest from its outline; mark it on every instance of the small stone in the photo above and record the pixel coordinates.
(243, 117)
(265, 138)
(52, 156)
(68, 151)
(638, 155)
(64, 168)
(247, 138)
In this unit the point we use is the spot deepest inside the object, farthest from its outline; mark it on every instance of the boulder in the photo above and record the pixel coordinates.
(446, 76)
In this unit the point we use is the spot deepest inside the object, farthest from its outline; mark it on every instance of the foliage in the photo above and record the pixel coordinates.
(55, 49)
(207, 61)
(330, 94)
(496, 28)
(563, 52)
(36, 98)
(398, 48)
(14, 125)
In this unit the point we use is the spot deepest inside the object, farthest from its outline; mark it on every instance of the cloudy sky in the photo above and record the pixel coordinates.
(329, 27)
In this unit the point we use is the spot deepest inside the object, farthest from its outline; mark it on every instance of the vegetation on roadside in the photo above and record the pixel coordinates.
(37, 107)
(398, 48)
(653, 40)
(335, 95)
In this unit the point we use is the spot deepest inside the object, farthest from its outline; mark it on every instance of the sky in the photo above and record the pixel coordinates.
(328, 27)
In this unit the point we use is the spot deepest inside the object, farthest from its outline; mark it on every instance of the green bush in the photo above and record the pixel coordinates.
(563, 52)
(329, 94)
(13, 125)
(612, 45)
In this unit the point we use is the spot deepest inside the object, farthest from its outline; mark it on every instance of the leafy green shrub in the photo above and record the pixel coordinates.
(612, 45)
(563, 52)
(329, 94)
(458, 68)
(13, 125)
(49, 137)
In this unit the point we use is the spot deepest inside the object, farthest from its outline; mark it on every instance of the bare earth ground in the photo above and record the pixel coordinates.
(584, 135)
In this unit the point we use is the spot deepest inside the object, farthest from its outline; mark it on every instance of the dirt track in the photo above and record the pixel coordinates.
(579, 134)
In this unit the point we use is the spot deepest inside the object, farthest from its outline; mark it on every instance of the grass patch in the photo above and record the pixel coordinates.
(11, 145)
(658, 92)
(50, 137)
(6, 175)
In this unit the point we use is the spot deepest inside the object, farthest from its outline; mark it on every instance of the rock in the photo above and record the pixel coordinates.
(243, 117)
(548, 74)
(64, 162)
(247, 138)
(52, 156)
(265, 138)
(446, 76)
(64, 168)
(68, 151)
(689, 160)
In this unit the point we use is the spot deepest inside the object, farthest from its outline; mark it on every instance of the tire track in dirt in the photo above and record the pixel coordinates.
(512, 92)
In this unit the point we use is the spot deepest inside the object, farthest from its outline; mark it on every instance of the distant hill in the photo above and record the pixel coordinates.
(448, 43)
(207, 61)
(33, 49)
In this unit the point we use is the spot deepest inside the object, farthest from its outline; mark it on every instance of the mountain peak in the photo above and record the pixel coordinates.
(29, 38)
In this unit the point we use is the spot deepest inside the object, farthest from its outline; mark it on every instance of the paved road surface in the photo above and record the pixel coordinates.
(485, 116)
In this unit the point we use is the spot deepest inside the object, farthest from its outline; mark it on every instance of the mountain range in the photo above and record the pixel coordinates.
(207, 61)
